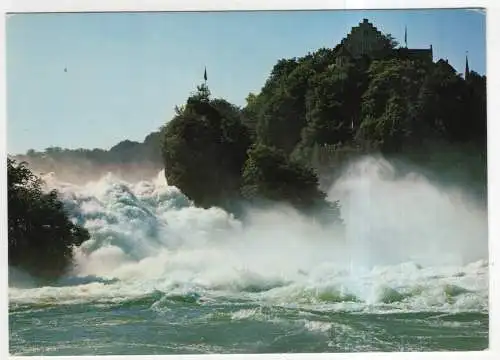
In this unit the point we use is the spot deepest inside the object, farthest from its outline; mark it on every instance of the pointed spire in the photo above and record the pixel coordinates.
(205, 74)
(406, 37)
(466, 65)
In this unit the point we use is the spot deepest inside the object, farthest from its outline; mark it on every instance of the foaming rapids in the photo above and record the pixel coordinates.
(406, 246)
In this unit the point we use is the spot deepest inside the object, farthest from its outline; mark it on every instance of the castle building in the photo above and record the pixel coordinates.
(366, 40)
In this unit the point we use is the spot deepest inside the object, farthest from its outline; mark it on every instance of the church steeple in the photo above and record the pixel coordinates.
(466, 65)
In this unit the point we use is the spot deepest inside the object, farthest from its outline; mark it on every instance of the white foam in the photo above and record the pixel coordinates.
(244, 314)
(318, 326)
(407, 246)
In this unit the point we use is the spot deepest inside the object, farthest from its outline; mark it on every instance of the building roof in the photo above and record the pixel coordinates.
(365, 27)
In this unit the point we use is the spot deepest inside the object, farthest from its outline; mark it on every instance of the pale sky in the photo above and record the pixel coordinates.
(127, 71)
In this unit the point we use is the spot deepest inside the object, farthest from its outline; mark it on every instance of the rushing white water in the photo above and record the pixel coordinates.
(407, 246)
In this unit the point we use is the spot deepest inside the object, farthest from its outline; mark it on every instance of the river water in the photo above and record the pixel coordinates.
(408, 272)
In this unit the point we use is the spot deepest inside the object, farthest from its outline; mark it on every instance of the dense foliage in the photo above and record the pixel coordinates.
(41, 236)
(395, 104)
(204, 149)
(314, 113)
(268, 174)
(208, 155)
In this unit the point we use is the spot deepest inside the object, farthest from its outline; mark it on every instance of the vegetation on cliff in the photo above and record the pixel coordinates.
(314, 113)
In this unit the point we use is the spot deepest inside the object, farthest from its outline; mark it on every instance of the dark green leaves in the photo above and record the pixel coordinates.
(205, 148)
(41, 236)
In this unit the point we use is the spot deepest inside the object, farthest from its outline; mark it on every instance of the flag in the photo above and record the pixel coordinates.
(205, 74)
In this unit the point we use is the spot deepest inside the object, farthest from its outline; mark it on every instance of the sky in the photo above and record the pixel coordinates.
(127, 71)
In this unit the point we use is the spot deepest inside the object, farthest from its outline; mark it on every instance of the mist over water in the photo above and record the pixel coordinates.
(393, 218)
(407, 245)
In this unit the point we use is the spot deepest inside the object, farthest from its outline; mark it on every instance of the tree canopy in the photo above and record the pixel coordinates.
(204, 149)
(41, 235)
(311, 113)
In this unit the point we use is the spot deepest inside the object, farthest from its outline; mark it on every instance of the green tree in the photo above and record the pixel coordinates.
(442, 103)
(333, 107)
(269, 175)
(41, 236)
(250, 113)
(283, 113)
(392, 43)
(204, 150)
(388, 131)
(388, 106)
(328, 118)
(476, 109)
(280, 71)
